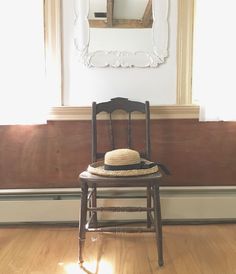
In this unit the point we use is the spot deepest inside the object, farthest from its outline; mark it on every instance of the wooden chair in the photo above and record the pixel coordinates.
(149, 182)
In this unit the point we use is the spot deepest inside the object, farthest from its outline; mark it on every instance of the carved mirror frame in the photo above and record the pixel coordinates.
(124, 59)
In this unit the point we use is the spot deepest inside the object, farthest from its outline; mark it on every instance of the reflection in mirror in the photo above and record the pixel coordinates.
(120, 14)
(121, 33)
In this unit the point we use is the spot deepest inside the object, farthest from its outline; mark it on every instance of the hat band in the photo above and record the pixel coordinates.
(141, 165)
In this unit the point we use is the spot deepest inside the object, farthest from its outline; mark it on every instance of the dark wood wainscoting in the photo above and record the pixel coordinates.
(53, 155)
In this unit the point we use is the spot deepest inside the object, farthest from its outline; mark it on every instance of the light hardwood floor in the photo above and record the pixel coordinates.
(196, 249)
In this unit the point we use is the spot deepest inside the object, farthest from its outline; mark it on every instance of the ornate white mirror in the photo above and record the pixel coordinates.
(121, 33)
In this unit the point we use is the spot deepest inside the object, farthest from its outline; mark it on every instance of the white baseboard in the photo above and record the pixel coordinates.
(177, 204)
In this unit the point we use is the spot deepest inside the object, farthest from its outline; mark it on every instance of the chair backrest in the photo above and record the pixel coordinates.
(128, 107)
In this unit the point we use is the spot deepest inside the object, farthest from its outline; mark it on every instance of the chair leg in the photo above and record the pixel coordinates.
(83, 217)
(94, 204)
(158, 223)
(149, 205)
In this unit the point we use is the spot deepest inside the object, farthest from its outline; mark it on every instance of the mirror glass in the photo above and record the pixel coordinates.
(120, 14)
(121, 33)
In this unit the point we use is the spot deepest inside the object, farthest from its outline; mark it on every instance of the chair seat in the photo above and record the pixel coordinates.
(134, 181)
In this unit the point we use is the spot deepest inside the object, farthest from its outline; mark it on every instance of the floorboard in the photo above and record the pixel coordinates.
(195, 249)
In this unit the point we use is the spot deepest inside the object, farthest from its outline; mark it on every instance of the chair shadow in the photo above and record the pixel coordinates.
(86, 270)
(99, 256)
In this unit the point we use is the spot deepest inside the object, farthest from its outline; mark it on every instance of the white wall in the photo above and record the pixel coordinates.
(83, 85)
(214, 60)
(24, 98)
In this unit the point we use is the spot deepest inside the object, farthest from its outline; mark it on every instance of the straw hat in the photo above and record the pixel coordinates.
(123, 162)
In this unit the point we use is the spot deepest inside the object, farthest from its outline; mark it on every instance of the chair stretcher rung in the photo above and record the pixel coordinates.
(120, 209)
(121, 229)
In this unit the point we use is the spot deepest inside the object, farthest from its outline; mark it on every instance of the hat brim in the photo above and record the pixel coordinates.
(97, 168)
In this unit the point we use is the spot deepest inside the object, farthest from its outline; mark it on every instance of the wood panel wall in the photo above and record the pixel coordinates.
(52, 155)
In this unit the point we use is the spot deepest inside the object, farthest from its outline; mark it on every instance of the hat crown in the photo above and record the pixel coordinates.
(122, 157)
(123, 162)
